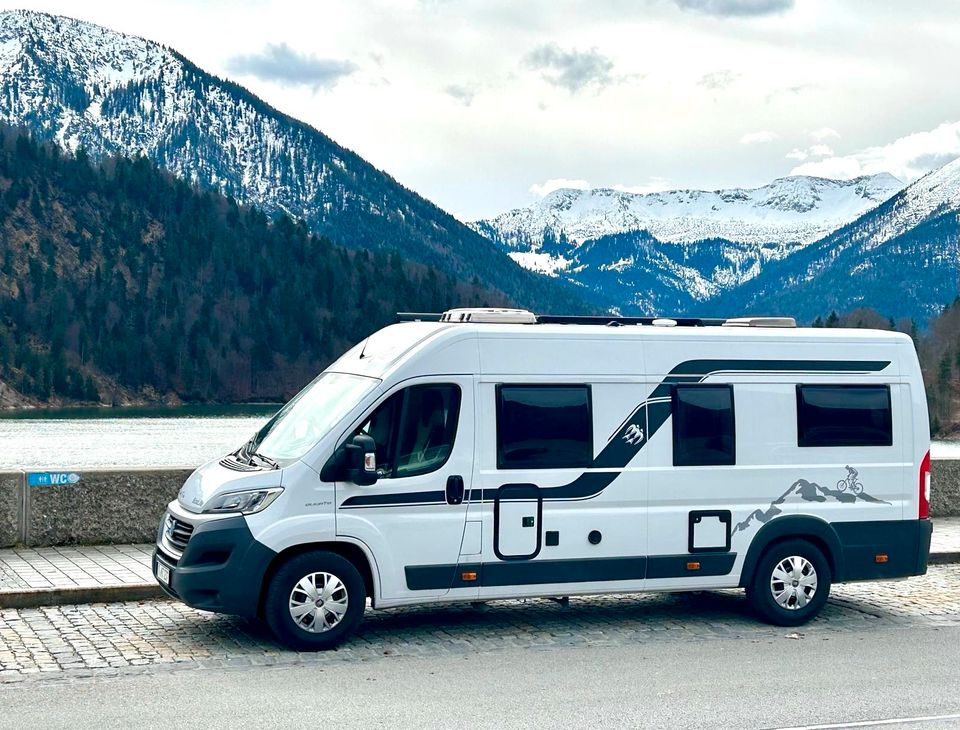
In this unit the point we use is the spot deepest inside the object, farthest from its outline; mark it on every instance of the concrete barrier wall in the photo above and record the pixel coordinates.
(125, 505)
(107, 506)
(11, 494)
(944, 487)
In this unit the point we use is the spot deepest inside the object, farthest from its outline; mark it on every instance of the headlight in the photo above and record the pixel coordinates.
(248, 502)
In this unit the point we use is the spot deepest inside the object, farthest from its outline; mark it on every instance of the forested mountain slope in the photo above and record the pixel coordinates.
(119, 281)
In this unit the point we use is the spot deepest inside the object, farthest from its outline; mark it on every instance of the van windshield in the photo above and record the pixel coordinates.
(308, 416)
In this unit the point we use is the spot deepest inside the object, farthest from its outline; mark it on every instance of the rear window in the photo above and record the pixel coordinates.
(544, 426)
(844, 415)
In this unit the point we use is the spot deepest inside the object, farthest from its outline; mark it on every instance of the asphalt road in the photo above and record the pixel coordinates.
(821, 677)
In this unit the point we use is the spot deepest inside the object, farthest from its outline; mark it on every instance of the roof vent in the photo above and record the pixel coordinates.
(490, 316)
(761, 322)
(664, 322)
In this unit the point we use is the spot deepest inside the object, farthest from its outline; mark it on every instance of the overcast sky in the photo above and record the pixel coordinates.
(481, 105)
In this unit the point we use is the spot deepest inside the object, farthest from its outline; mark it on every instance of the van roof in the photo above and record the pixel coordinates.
(387, 349)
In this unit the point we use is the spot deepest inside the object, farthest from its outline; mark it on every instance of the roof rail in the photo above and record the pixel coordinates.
(418, 317)
(761, 322)
(522, 316)
(616, 321)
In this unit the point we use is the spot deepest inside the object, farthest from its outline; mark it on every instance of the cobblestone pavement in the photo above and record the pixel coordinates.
(83, 640)
(92, 566)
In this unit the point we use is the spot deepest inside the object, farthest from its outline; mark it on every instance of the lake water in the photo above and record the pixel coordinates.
(129, 437)
(149, 437)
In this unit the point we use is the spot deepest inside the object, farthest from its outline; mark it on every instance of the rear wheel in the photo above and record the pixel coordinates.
(315, 601)
(791, 583)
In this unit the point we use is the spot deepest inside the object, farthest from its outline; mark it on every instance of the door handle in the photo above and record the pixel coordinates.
(455, 489)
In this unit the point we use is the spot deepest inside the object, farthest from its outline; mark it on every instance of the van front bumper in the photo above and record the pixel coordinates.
(221, 569)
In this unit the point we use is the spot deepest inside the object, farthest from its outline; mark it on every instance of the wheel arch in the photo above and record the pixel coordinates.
(354, 552)
(815, 530)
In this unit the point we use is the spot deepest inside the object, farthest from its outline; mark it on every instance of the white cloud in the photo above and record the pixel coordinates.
(764, 135)
(570, 68)
(820, 150)
(718, 80)
(558, 183)
(463, 93)
(282, 64)
(736, 8)
(824, 133)
(653, 185)
(797, 154)
(907, 158)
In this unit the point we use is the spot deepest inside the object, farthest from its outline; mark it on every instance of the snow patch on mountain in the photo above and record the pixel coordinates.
(798, 209)
(542, 263)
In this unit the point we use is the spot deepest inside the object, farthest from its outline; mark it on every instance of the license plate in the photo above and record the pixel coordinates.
(163, 573)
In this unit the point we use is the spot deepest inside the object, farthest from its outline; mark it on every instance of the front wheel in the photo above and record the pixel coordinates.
(791, 583)
(315, 601)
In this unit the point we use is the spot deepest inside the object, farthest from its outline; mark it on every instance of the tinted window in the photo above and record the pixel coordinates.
(544, 426)
(427, 429)
(844, 415)
(414, 430)
(703, 425)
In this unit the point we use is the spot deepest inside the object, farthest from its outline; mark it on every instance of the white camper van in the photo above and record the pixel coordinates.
(490, 454)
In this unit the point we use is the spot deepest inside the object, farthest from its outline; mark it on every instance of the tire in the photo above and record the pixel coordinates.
(797, 603)
(296, 588)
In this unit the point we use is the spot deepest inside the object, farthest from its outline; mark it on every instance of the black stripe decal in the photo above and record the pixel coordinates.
(655, 411)
(395, 500)
(579, 570)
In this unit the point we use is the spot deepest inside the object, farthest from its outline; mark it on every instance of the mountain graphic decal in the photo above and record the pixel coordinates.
(847, 491)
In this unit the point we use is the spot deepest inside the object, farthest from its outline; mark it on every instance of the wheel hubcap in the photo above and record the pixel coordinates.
(793, 583)
(318, 602)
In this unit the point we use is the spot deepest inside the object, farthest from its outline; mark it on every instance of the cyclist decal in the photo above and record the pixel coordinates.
(847, 491)
(850, 482)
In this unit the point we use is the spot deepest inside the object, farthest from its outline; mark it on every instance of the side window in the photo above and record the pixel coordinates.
(427, 428)
(844, 415)
(544, 426)
(414, 430)
(703, 425)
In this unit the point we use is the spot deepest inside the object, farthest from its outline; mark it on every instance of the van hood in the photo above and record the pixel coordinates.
(213, 478)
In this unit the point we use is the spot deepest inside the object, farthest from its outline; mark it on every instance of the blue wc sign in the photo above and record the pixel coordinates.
(52, 478)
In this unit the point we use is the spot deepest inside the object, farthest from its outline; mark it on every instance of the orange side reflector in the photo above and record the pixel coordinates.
(468, 576)
(881, 558)
(693, 566)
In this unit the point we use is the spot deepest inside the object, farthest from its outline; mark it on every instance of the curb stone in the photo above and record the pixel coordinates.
(38, 597)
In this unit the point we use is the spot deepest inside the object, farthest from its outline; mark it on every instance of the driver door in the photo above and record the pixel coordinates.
(413, 517)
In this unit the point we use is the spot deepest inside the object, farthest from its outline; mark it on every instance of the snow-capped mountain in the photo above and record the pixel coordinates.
(82, 85)
(902, 258)
(788, 210)
(658, 252)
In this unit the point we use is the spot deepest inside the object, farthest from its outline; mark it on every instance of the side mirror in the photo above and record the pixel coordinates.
(361, 460)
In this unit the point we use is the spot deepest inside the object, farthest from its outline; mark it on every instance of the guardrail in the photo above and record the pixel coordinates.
(124, 505)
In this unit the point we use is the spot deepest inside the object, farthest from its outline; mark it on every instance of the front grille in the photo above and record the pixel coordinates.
(178, 533)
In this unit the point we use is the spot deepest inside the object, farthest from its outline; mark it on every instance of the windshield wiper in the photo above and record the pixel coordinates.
(265, 459)
(247, 453)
